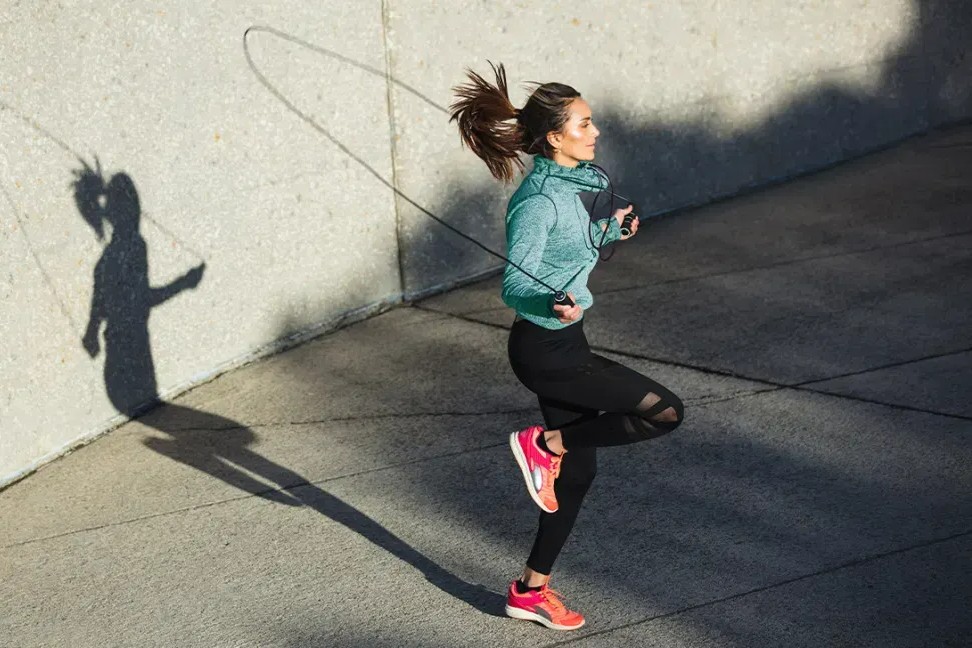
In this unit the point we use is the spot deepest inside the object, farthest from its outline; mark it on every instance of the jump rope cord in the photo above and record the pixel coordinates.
(310, 121)
(317, 127)
(610, 188)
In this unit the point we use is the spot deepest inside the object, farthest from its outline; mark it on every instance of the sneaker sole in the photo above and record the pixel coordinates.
(521, 461)
(525, 615)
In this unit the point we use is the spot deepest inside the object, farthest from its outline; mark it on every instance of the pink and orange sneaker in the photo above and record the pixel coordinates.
(540, 468)
(543, 606)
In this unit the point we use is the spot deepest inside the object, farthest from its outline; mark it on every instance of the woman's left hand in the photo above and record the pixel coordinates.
(619, 216)
(568, 314)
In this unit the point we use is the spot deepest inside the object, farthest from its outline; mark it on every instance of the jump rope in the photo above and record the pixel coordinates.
(560, 296)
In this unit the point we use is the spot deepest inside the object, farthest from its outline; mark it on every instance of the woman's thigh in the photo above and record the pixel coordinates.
(597, 384)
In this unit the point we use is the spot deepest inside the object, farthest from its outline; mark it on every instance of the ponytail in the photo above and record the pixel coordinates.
(484, 115)
(488, 123)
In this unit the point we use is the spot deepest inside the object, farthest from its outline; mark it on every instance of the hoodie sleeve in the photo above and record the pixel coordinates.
(528, 226)
(613, 230)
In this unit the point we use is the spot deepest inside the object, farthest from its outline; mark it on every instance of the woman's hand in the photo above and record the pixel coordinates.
(194, 276)
(90, 341)
(619, 216)
(567, 314)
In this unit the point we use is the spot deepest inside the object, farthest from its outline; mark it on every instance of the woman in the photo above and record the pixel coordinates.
(587, 401)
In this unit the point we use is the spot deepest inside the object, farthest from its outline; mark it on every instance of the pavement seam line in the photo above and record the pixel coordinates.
(780, 264)
(345, 419)
(309, 483)
(872, 401)
(756, 268)
(892, 365)
(738, 396)
(758, 590)
(799, 386)
(673, 363)
(290, 487)
(860, 399)
(700, 400)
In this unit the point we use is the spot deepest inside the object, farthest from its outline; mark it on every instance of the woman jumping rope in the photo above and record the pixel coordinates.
(587, 401)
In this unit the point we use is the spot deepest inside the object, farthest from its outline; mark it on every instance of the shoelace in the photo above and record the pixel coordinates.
(555, 465)
(553, 597)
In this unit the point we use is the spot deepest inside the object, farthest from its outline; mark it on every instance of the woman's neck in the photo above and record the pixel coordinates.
(565, 160)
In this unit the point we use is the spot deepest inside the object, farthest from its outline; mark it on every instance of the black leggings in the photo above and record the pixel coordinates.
(594, 402)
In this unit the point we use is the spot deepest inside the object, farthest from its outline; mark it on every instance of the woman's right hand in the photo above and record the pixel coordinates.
(567, 314)
(619, 216)
(194, 276)
(90, 341)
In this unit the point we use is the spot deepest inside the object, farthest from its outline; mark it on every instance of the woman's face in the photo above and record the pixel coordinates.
(575, 141)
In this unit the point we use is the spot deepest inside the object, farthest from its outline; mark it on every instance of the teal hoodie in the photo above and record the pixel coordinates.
(548, 234)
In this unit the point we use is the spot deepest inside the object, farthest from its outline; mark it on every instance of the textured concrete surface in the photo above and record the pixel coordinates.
(261, 164)
(291, 234)
(358, 490)
(938, 384)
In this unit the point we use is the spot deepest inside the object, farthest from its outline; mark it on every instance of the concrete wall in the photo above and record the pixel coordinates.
(267, 189)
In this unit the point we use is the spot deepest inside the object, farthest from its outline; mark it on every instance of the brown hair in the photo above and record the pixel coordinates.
(497, 131)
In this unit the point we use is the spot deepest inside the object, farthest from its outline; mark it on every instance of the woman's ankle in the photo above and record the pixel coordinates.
(553, 440)
(534, 579)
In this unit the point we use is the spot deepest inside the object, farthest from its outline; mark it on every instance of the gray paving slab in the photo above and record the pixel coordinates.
(344, 403)
(804, 322)
(332, 407)
(159, 473)
(800, 322)
(750, 493)
(872, 604)
(937, 384)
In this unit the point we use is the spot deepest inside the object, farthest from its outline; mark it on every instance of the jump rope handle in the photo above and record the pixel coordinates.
(626, 224)
(563, 299)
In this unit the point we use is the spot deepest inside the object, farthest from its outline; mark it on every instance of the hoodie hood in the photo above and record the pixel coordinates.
(582, 177)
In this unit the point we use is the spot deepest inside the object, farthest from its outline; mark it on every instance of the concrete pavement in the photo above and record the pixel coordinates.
(358, 491)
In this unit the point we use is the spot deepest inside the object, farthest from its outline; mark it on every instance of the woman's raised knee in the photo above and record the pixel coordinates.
(673, 414)
(663, 422)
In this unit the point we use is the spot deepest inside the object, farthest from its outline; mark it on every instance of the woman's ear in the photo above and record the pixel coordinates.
(555, 139)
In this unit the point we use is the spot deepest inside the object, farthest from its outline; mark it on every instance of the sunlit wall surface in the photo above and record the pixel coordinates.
(176, 199)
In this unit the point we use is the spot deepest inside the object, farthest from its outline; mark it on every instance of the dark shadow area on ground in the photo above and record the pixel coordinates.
(122, 302)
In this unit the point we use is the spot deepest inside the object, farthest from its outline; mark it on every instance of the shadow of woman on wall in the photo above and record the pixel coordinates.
(122, 301)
